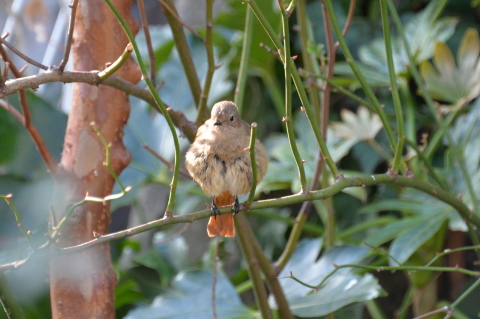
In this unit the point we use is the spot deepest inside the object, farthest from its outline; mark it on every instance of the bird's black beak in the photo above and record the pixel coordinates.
(217, 123)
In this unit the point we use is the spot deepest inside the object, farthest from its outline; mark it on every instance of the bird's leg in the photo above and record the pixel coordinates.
(236, 206)
(214, 209)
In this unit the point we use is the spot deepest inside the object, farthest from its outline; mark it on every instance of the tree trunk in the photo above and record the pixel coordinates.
(82, 284)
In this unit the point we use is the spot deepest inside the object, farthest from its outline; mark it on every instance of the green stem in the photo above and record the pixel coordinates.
(117, 64)
(437, 137)
(309, 60)
(6, 198)
(375, 310)
(159, 104)
(244, 61)
(288, 98)
(183, 50)
(428, 99)
(270, 277)
(344, 91)
(427, 164)
(310, 228)
(333, 189)
(379, 150)
(251, 147)
(202, 114)
(395, 268)
(358, 74)
(397, 159)
(465, 294)
(261, 297)
(7, 299)
(299, 86)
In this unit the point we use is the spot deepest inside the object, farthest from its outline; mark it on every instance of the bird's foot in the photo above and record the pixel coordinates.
(214, 209)
(236, 206)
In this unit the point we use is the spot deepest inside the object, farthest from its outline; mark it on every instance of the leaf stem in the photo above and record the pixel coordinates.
(202, 106)
(358, 73)
(299, 86)
(288, 119)
(397, 159)
(251, 148)
(244, 60)
(244, 237)
(159, 104)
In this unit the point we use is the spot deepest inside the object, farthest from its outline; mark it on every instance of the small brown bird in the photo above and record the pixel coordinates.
(219, 162)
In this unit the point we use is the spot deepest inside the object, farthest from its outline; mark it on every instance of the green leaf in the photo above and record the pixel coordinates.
(191, 298)
(341, 289)
(425, 226)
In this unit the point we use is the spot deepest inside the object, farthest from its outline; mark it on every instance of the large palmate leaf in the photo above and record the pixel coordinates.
(449, 83)
(341, 289)
(422, 31)
(420, 223)
(191, 298)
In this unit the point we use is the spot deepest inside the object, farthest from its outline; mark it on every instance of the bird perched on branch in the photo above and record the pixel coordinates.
(219, 161)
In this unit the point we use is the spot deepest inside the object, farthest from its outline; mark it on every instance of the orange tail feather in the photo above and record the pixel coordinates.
(222, 225)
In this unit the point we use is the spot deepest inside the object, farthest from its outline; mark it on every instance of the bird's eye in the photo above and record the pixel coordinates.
(231, 118)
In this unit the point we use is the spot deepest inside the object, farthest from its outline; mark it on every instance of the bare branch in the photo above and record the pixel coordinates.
(164, 161)
(23, 56)
(188, 128)
(71, 26)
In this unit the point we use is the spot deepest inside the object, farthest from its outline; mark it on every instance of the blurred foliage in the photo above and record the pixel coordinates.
(158, 278)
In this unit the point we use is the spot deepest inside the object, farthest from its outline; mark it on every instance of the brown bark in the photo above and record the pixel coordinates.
(82, 285)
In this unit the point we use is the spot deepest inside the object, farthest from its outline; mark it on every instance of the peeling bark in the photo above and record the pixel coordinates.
(82, 285)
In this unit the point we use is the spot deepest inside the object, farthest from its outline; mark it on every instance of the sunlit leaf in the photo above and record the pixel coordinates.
(362, 126)
(448, 83)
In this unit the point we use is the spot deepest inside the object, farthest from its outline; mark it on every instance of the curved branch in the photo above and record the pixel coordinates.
(188, 128)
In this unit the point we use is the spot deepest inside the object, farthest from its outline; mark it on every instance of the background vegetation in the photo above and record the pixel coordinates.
(369, 208)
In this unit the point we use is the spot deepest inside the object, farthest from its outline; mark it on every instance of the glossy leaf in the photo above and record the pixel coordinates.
(448, 83)
(191, 298)
(343, 288)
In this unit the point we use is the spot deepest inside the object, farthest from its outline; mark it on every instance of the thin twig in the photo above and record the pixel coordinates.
(398, 158)
(335, 188)
(159, 104)
(188, 128)
(183, 49)
(175, 15)
(4, 75)
(148, 40)
(25, 232)
(71, 27)
(251, 148)
(36, 137)
(299, 86)
(202, 111)
(239, 94)
(348, 22)
(164, 161)
(288, 119)
(112, 68)
(174, 236)
(245, 238)
(23, 56)
(434, 312)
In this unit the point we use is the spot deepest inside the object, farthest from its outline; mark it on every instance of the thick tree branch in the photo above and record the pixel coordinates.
(335, 188)
(188, 128)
